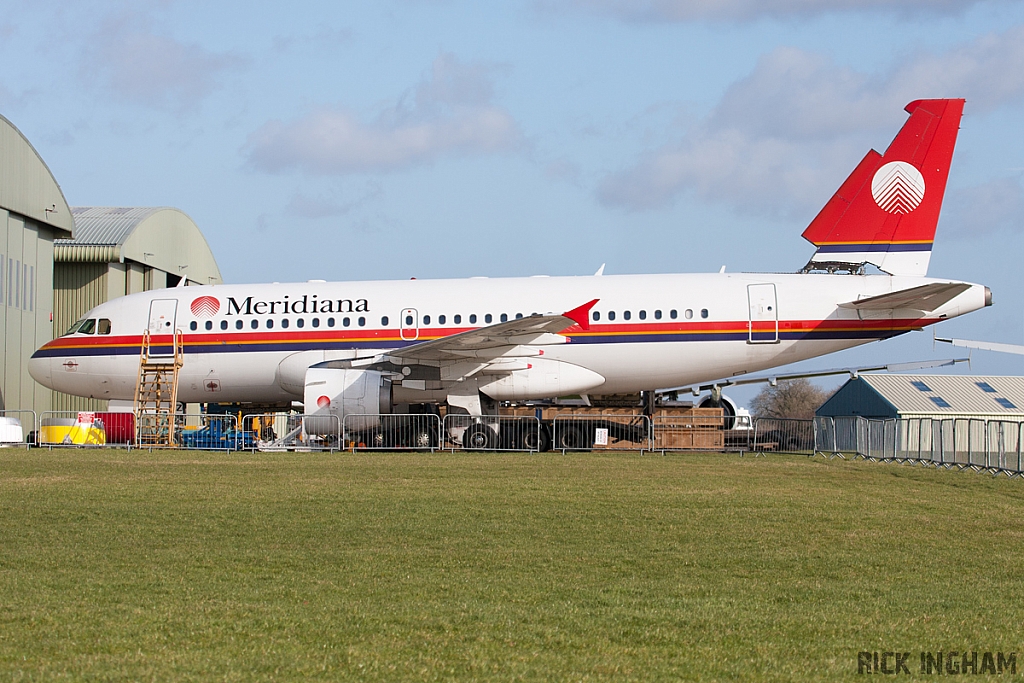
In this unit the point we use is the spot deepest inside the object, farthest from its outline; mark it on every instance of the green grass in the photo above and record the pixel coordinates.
(203, 566)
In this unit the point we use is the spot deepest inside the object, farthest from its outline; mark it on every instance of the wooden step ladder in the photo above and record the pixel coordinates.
(156, 392)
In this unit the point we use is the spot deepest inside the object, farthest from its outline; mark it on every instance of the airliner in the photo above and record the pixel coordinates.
(377, 347)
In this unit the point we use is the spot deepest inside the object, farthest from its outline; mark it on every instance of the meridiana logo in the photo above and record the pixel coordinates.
(205, 306)
(898, 187)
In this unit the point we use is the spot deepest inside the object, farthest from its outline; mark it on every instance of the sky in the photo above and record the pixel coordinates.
(441, 138)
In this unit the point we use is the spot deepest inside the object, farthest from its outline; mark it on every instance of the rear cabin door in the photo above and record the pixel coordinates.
(409, 324)
(763, 324)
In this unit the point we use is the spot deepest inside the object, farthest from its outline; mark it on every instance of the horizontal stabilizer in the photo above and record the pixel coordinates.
(925, 298)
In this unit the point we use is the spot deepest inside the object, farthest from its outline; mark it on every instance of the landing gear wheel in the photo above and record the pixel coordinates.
(479, 437)
(537, 439)
(572, 438)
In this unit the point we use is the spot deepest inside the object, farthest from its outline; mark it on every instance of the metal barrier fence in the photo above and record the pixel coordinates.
(612, 432)
(963, 443)
(291, 431)
(392, 432)
(17, 427)
(495, 433)
(698, 433)
(784, 435)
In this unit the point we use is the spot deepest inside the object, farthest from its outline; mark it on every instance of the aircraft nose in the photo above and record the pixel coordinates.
(40, 370)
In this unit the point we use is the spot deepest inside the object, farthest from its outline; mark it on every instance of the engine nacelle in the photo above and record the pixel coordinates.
(542, 378)
(330, 394)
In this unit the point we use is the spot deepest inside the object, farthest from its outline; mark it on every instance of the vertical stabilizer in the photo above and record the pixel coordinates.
(886, 211)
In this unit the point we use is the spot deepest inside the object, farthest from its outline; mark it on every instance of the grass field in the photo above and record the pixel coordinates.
(200, 566)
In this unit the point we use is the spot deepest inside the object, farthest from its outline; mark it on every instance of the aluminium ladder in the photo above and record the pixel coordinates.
(156, 392)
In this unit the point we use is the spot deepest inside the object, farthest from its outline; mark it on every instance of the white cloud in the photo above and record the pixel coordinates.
(449, 113)
(781, 139)
(139, 65)
(746, 10)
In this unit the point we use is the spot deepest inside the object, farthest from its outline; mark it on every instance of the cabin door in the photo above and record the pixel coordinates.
(763, 323)
(161, 316)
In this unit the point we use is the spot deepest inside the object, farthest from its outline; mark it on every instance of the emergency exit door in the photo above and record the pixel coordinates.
(409, 328)
(763, 325)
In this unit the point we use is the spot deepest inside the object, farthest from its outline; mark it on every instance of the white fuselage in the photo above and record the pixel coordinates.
(253, 343)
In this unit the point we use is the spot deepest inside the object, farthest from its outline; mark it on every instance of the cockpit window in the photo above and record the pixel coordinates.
(103, 327)
(84, 326)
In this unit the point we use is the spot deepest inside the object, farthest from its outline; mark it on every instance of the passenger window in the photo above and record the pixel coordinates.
(208, 325)
(673, 314)
(270, 324)
(441, 319)
(689, 313)
(223, 324)
(383, 321)
(596, 315)
(408, 320)
(703, 312)
(300, 323)
(518, 316)
(643, 315)
(284, 322)
(88, 327)
(426, 320)
(611, 315)
(316, 322)
(626, 315)
(362, 322)
(657, 314)
(345, 322)
(504, 317)
(472, 318)
(238, 324)
(255, 323)
(193, 326)
(330, 322)
(458, 319)
(488, 318)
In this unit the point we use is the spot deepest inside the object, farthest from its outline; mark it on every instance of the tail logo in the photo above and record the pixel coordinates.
(898, 187)
(205, 306)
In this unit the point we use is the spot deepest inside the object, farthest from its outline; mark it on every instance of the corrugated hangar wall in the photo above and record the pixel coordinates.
(33, 212)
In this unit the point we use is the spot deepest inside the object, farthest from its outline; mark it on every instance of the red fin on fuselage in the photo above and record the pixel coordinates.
(886, 211)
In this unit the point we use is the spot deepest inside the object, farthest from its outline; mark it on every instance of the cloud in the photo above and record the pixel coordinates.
(780, 140)
(748, 10)
(307, 206)
(991, 207)
(449, 113)
(138, 65)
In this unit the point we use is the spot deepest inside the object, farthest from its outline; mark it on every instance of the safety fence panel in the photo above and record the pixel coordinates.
(495, 433)
(392, 432)
(17, 427)
(698, 433)
(72, 428)
(206, 432)
(290, 432)
(783, 435)
(614, 433)
(825, 436)
(850, 436)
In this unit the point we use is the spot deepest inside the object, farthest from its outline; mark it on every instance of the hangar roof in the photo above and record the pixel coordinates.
(160, 237)
(941, 395)
(27, 187)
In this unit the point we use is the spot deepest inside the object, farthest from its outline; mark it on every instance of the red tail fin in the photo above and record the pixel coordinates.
(886, 211)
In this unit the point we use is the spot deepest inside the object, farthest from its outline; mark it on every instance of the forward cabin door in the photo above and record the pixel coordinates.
(763, 324)
(161, 316)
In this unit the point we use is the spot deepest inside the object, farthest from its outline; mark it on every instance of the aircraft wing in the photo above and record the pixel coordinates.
(923, 298)
(491, 341)
(984, 346)
(852, 372)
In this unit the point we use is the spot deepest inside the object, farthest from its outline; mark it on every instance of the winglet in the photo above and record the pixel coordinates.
(581, 314)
